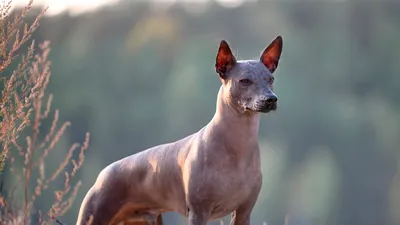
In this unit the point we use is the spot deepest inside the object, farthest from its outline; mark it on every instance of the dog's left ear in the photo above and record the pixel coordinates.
(225, 59)
(270, 56)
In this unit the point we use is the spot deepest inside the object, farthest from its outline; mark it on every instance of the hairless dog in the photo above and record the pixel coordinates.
(206, 175)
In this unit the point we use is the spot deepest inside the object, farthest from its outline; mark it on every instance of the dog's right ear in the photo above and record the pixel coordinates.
(225, 59)
(271, 55)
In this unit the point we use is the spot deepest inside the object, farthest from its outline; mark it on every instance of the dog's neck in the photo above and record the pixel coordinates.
(238, 128)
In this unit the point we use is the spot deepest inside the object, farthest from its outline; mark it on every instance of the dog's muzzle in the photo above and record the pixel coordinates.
(267, 105)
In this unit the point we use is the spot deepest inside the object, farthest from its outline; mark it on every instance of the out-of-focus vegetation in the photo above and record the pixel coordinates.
(138, 74)
(25, 142)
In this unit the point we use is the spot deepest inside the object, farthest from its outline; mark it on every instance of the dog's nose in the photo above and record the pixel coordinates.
(271, 100)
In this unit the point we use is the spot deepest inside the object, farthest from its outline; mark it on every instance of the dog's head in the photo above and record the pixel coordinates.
(248, 84)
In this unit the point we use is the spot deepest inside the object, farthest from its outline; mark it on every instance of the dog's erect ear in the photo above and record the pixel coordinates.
(270, 56)
(225, 59)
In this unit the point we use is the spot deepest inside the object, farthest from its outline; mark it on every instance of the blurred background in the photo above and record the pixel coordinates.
(140, 73)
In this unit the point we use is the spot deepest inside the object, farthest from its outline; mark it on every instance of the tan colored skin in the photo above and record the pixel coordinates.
(204, 176)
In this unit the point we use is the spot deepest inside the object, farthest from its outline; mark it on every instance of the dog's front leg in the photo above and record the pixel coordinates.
(241, 216)
(197, 218)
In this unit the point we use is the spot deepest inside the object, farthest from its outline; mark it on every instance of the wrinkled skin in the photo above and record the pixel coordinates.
(204, 176)
(250, 87)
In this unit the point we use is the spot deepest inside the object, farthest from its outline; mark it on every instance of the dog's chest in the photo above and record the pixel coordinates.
(221, 181)
(231, 188)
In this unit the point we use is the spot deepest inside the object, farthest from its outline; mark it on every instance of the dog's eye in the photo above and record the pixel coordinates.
(245, 81)
(271, 80)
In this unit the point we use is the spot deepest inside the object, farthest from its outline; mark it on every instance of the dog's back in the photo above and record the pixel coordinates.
(117, 187)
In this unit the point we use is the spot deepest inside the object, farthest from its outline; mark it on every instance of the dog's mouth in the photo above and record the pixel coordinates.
(264, 108)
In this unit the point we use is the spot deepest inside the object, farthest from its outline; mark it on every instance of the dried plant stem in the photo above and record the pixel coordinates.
(22, 99)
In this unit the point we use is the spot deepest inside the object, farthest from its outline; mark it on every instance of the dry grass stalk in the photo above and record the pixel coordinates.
(18, 88)
(22, 100)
